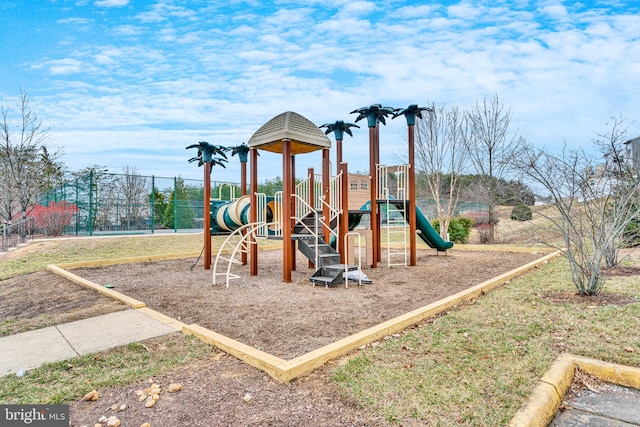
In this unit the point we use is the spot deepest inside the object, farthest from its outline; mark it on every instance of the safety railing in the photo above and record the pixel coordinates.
(347, 258)
(232, 191)
(303, 204)
(15, 234)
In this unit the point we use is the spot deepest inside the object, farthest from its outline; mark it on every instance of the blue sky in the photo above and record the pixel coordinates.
(128, 82)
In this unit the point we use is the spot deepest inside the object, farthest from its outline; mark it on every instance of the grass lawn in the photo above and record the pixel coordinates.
(474, 365)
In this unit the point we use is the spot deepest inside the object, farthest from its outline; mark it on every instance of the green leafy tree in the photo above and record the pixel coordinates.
(459, 229)
(521, 212)
(178, 212)
(159, 205)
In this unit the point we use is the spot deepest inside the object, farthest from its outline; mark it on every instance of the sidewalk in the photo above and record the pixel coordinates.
(32, 349)
(612, 406)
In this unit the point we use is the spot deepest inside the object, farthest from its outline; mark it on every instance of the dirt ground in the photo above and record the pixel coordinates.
(284, 319)
(44, 299)
(291, 319)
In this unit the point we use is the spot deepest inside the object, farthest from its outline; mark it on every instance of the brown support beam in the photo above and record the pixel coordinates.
(326, 192)
(294, 213)
(312, 198)
(344, 220)
(378, 228)
(286, 210)
(413, 253)
(338, 155)
(253, 212)
(375, 238)
(207, 216)
(243, 192)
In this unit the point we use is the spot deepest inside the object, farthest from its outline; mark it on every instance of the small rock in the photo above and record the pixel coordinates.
(123, 407)
(139, 392)
(155, 397)
(102, 419)
(247, 397)
(174, 387)
(145, 425)
(97, 425)
(91, 396)
(113, 422)
(149, 403)
(142, 397)
(114, 407)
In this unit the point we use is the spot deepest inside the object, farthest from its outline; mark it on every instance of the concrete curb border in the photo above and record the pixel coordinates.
(287, 370)
(545, 399)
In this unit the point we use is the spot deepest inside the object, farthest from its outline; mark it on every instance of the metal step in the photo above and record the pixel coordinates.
(340, 267)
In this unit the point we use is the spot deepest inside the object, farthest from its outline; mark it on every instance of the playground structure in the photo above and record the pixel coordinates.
(314, 214)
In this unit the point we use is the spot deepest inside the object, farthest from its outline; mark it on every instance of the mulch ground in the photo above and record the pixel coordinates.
(291, 319)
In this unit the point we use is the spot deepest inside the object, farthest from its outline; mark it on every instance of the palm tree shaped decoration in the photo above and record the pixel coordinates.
(410, 113)
(339, 128)
(374, 114)
(206, 153)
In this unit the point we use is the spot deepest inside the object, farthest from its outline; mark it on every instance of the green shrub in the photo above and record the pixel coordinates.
(459, 228)
(521, 212)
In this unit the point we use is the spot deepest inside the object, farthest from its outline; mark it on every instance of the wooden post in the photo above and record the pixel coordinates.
(344, 220)
(253, 212)
(207, 216)
(326, 191)
(286, 210)
(373, 171)
(312, 198)
(338, 155)
(294, 213)
(243, 192)
(378, 229)
(413, 253)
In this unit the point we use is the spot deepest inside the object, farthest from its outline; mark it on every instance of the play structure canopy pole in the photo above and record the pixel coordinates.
(326, 191)
(338, 155)
(253, 213)
(344, 221)
(413, 255)
(286, 210)
(243, 192)
(374, 196)
(207, 216)
(294, 213)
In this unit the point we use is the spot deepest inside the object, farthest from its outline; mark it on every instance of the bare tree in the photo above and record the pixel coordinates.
(491, 148)
(440, 156)
(21, 150)
(135, 190)
(594, 207)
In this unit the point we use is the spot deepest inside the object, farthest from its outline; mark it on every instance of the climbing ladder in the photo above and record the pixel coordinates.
(396, 214)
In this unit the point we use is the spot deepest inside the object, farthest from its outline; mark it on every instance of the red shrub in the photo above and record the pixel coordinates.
(478, 218)
(52, 219)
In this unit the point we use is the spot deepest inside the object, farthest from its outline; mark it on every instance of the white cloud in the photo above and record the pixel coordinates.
(74, 21)
(63, 66)
(111, 3)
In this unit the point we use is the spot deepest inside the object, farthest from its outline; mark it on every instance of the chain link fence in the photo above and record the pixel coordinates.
(120, 203)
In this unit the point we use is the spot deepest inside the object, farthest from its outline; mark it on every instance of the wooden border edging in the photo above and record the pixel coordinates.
(286, 370)
(132, 302)
(545, 399)
(309, 361)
